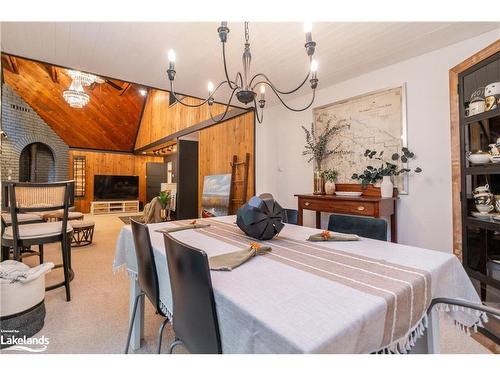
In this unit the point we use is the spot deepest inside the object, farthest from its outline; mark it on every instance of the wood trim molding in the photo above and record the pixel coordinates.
(455, 139)
(202, 125)
(140, 119)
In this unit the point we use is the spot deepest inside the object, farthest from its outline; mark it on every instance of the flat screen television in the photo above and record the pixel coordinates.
(113, 187)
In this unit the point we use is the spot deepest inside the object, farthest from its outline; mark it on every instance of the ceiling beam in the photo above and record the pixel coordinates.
(125, 88)
(53, 74)
(12, 64)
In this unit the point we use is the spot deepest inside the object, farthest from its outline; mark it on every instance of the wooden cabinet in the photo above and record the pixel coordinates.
(99, 207)
(369, 204)
(476, 239)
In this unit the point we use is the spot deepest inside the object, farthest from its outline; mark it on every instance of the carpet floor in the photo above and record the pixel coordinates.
(96, 319)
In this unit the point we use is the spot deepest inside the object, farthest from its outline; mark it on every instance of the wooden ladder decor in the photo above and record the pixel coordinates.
(243, 181)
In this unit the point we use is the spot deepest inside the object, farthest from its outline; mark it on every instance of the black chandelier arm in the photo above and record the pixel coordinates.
(231, 83)
(283, 102)
(256, 109)
(268, 81)
(172, 91)
(238, 75)
(226, 110)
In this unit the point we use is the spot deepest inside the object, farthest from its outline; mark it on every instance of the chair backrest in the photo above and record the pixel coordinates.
(37, 197)
(195, 317)
(368, 227)
(146, 266)
(290, 216)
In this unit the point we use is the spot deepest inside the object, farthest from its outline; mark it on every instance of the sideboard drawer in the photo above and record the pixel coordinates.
(340, 207)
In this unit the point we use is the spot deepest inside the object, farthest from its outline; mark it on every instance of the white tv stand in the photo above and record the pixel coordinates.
(109, 207)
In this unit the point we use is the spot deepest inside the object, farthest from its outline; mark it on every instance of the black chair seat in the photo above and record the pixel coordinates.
(147, 276)
(368, 227)
(290, 216)
(195, 318)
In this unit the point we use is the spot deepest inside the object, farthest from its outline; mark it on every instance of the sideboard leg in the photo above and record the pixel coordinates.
(318, 219)
(394, 225)
(300, 216)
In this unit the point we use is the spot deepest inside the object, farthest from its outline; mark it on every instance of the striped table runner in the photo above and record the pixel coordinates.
(406, 290)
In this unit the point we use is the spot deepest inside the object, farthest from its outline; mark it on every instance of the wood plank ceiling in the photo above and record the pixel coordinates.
(108, 122)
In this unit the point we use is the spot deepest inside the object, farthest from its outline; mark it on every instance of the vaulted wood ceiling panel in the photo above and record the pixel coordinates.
(108, 122)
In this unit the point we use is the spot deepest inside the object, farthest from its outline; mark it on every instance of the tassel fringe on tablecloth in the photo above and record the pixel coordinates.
(133, 275)
(404, 345)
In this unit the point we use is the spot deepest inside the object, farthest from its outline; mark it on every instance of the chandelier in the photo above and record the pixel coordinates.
(243, 86)
(86, 79)
(75, 96)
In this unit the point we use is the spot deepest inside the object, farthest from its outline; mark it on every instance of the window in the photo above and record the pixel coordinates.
(79, 176)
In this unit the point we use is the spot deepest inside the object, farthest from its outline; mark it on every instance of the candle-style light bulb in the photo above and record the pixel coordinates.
(210, 88)
(314, 78)
(262, 91)
(171, 59)
(314, 66)
(308, 31)
(171, 55)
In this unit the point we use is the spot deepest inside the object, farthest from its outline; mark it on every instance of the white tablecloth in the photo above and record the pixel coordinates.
(266, 306)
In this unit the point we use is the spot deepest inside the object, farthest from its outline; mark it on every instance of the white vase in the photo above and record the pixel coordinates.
(386, 187)
(329, 187)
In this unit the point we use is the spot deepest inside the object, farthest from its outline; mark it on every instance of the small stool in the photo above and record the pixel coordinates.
(58, 215)
(83, 232)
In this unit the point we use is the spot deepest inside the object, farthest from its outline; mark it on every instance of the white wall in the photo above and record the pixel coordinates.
(425, 215)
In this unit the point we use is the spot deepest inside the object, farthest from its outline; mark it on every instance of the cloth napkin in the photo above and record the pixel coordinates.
(192, 225)
(329, 236)
(229, 261)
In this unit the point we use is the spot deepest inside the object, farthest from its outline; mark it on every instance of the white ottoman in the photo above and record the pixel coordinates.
(22, 308)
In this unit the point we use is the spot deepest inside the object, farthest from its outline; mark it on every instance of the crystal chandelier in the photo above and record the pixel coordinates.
(243, 86)
(75, 96)
(86, 79)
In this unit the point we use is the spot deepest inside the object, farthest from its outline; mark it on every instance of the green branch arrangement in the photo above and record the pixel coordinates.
(330, 175)
(316, 144)
(371, 174)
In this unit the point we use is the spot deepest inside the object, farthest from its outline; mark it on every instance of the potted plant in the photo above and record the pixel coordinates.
(165, 198)
(330, 176)
(384, 172)
(316, 148)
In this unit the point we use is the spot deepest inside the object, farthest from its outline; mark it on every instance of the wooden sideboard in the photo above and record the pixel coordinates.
(369, 204)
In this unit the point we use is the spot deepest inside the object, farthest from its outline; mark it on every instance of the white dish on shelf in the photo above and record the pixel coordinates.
(349, 193)
(482, 215)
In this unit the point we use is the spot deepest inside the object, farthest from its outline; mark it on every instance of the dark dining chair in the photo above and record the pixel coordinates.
(6, 221)
(147, 278)
(25, 198)
(195, 318)
(368, 227)
(290, 216)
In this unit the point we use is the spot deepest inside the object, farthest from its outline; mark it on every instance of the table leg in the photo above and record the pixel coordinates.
(318, 219)
(432, 333)
(138, 330)
(300, 216)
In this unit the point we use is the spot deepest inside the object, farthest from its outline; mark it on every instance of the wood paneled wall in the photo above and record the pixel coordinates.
(218, 144)
(110, 163)
(160, 120)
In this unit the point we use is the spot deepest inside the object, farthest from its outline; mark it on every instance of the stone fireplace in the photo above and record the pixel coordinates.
(32, 151)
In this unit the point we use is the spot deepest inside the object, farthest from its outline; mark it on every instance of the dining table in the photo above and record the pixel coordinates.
(363, 296)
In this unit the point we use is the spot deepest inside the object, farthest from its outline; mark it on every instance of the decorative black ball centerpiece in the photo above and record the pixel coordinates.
(261, 217)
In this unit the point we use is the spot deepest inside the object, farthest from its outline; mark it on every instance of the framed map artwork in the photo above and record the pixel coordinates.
(375, 121)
